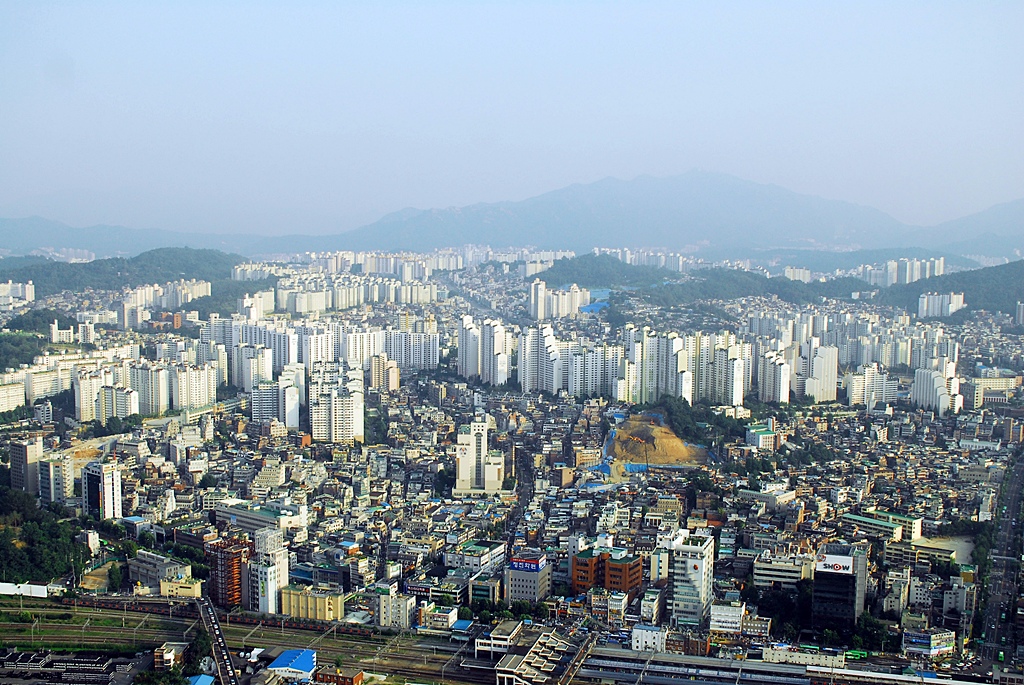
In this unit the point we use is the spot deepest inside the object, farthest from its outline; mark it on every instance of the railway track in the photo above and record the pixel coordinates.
(408, 657)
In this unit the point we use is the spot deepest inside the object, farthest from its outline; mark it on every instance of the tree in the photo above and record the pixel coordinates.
(208, 481)
(147, 540)
(201, 646)
(115, 578)
(465, 613)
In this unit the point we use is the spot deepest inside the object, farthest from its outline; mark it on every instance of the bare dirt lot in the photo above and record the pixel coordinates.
(640, 440)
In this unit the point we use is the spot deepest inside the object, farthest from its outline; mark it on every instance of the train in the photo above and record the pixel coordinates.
(186, 608)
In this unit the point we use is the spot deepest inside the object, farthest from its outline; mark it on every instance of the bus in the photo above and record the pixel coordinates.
(1001, 655)
(856, 654)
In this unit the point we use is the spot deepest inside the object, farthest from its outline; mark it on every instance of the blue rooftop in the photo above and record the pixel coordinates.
(201, 679)
(296, 659)
(462, 625)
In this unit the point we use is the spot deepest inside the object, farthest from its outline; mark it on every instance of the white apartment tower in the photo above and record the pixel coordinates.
(538, 300)
(56, 479)
(773, 378)
(469, 348)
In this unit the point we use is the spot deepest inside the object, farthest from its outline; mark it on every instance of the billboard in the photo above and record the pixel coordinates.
(532, 565)
(833, 563)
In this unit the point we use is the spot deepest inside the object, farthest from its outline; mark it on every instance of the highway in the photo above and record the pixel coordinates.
(1002, 582)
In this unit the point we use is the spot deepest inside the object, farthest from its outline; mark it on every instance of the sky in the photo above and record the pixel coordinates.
(278, 118)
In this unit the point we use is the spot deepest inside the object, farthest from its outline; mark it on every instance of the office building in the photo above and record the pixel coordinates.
(691, 561)
(101, 490)
(840, 584)
(528, 576)
(56, 479)
(24, 459)
(478, 470)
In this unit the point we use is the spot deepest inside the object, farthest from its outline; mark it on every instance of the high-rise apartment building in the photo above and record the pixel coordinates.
(276, 400)
(773, 384)
(336, 404)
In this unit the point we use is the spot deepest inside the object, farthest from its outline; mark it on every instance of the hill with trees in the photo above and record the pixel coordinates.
(603, 271)
(994, 288)
(155, 266)
(39, 320)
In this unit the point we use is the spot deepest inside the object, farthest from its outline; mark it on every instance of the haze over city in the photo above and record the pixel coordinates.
(316, 117)
(511, 343)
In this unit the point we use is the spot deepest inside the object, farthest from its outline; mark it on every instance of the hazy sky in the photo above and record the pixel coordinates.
(292, 117)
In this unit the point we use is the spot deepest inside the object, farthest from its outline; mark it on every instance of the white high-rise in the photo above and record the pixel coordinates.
(469, 348)
(538, 300)
(495, 350)
(773, 378)
(193, 387)
(56, 479)
(154, 387)
(101, 490)
(477, 471)
(276, 400)
(336, 404)
(691, 563)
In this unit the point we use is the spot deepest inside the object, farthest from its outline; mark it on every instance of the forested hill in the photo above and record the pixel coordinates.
(729, 284)
(155, 266)
(995, 288)
(603, 271)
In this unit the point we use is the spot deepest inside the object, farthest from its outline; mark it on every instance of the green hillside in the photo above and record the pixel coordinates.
(995, 288)
(155, 266)
(603, 271)
(729, 284)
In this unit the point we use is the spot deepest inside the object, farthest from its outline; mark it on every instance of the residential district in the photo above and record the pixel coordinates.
(435, 468)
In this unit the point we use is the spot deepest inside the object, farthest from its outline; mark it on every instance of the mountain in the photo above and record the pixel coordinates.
(722, 215)
(694, 208)
(22, 236)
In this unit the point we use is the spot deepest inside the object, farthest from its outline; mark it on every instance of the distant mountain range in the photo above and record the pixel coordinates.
(716, 214)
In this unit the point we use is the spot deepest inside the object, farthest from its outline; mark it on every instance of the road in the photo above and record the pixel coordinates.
(221, 654)
(1002, 582)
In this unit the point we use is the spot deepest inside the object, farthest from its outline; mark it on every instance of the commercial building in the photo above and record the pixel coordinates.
(147, 569)
(227, 558)
(477, 555)
(528, 576)
(478, 471)
(840, 585)
(101, 490)
(316, 603)
(930, 643)
(613, 569)
(690, 580)
(25, 456)
(782, 572)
